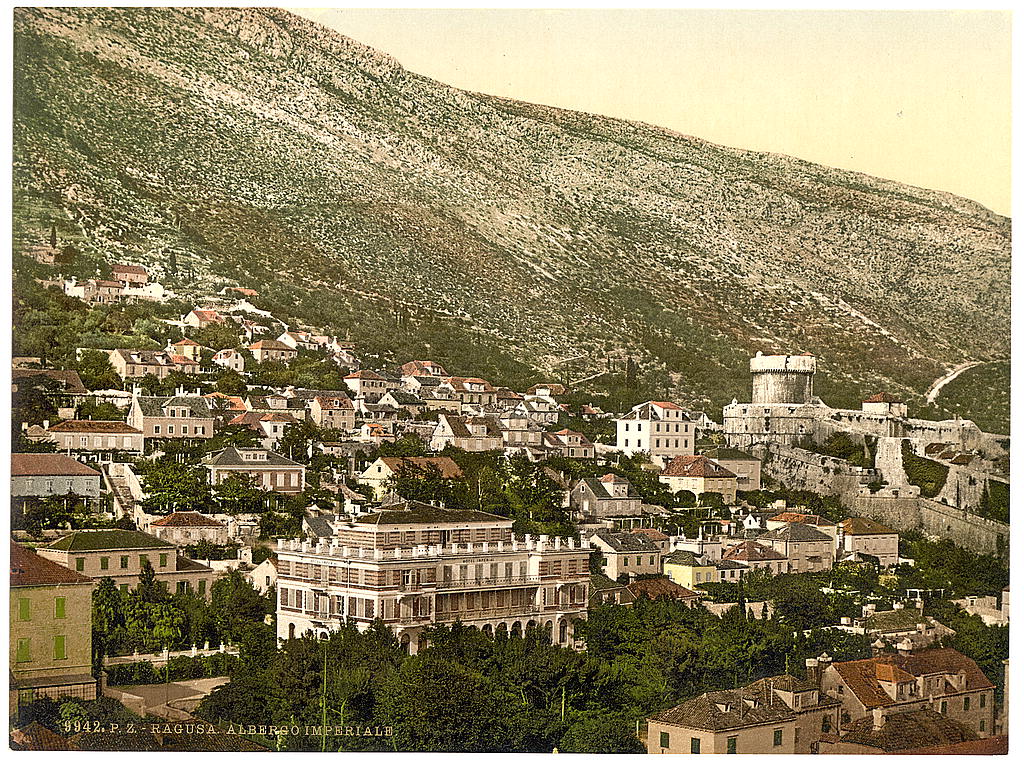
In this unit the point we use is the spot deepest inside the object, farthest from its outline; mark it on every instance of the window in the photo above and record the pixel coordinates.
(59, 650)
(104, 562)
(184, 430)
(664, 739)
(826, 724)
(124, 562)
(777, 738)
(163, 560)
(143, 560)
(695, 745)
(944, 708)
(981, 701)
(156, 429)
(730, 745)
(652, 560)
(181, 586)
(24, 609)
(170, 429)
(981, 725)
(967, 703)
(24, 650)
(59, 607)
(79, 565)
(202, 586)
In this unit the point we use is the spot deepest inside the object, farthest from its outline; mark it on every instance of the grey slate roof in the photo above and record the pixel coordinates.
(627, 542)
(595, 485)
(229, 457)
(413, 512)
(729, 709)
(795, 532)
(153, 406)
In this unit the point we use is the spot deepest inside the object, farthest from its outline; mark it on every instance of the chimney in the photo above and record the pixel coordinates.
(46, 424)
(877, 718)
(812, 672)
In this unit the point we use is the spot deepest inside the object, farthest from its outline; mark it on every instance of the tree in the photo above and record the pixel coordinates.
(173, 486)
(232, 383)
(240, 493)
(96, 372)
(236, 604)
(593, 732)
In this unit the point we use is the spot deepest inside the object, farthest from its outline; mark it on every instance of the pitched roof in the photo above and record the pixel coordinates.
(626, 542)
(48, 464)
(857, 525)
(751, 550)
(29, 568)
(447, 467)
(153, 406)
(412, 512)
(106, 540)
(997, 745)
(144, 356)
(363, 375)
(907, 730)
(334, 402)
(186, 519)
(684, 559)
(187, 342)
(696, 466)
(795, 532)
(72, 382)
(462, 384)
(230, 457)
(862, 676)
(661, 587)
(803, 518)
(726, 453)
(728, 709)
(654, 534)
(650, 411)
(93, 427)
(128, 268)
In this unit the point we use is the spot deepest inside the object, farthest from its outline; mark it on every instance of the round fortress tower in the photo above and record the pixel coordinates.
(782, 378)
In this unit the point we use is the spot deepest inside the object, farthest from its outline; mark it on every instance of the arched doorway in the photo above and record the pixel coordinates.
(517, 629)
(406, 642)
(488, 631)
(563, 632)
(291, 630)
(421, 643)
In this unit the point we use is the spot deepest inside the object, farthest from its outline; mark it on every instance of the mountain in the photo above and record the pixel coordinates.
(254, 147)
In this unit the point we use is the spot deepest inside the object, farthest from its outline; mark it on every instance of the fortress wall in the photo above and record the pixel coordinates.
(800, 469)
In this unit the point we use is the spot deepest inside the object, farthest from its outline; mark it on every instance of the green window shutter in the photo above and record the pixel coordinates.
(202, 587)
(695, 745)
(104, 562)
(163, 559)
(24, 650)
(59, 605)
(777, 738)
(59, 652)
(664, 739)
(124, 562)
(730, 745)
(79, 565)
(24, 609)
(143, 560)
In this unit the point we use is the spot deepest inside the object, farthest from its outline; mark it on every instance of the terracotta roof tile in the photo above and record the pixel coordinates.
(47, 464)
(29, 568)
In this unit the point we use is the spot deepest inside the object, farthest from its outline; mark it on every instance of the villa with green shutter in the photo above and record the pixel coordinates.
(121, 554)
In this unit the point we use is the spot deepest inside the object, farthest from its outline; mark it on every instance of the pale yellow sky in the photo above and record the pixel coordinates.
(919, 96)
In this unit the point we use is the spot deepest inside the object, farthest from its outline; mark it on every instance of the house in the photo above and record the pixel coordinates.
(519, 433)
(230, 359)
(188, 348)
(225, 404)
(868, 537)
(68, 387)
(938, 679)
(135, 363)
(411, 565)
(659, 538)
(755, 555)
(626, 553)
(272, 472)
(184, 364)
(297, 339)
(422, 367)
(689, 569)
(730, 571)
(993, 610)
(570, 444)
(698, 474)
(662, 587)
(367, 385)
(270, 426)
(172, 417)
(121, 555)
(188, 528)
(776, 715)
(96, 292)
(101, 436)
(472, 434)
(333, 410)
(606, 497)
(264, 576)
(661, 429)
(604, 590)
(884, 404)
(376, 433)
(50, 630)
(272, 351)
(806, 548)
(203, 318)
(403, 400)
(41, 474)
(379, 474)
(129, 275)
(472, 392)
(746, 467)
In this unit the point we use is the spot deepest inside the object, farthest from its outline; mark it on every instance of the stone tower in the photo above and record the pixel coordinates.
(782, 379)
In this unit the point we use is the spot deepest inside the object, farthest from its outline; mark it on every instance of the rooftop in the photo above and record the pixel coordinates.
(186, 519)
(794, 532)
(29, 568)
(48, 464)
(106, 540)
(412, 512)
(696, 466)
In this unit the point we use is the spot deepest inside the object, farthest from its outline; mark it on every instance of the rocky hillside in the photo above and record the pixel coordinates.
(252, 146)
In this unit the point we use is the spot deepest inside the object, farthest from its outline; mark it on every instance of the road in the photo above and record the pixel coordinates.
(950, 376)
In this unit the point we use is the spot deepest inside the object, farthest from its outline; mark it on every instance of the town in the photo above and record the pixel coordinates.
(248, 526)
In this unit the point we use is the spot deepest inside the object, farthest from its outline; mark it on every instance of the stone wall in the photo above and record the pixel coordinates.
(804, 470)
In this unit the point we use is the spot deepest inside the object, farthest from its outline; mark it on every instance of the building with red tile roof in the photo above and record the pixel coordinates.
(188, 528)
(699, 474)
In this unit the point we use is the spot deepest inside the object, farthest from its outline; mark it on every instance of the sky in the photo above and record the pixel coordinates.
(921, 97)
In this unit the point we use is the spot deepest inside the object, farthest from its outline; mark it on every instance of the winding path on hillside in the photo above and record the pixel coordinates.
(949, 377)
